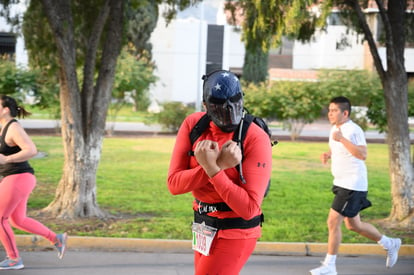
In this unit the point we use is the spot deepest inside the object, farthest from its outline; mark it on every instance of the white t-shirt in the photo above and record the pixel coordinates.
(349, 172)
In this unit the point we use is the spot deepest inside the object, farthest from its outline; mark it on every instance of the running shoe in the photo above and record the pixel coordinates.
(12, 263)
(324, 270)
(61, 244)
(392, 252)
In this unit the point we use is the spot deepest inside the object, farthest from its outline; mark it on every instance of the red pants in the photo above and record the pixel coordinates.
(227, 257)
(15, 191)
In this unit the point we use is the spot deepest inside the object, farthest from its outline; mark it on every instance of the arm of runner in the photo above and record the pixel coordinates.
(184, 174)
(358, 151)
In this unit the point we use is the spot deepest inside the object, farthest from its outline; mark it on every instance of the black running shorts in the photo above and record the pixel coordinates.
(348, 202)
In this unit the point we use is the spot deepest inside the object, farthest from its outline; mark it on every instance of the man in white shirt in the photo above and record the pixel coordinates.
(348, 151)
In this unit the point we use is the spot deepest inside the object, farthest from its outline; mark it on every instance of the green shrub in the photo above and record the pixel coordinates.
(172, 115)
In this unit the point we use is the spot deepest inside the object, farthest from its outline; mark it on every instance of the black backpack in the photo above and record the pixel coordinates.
(238, 136)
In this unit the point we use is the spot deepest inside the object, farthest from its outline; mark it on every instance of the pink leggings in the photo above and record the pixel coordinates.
(15, 191)
(227, 257)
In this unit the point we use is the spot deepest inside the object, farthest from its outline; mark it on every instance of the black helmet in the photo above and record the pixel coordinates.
(223, 97)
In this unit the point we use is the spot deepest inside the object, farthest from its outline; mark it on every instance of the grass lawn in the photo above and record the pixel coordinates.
(131, 185)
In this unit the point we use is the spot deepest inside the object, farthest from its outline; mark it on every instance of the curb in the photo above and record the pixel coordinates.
(33, 242)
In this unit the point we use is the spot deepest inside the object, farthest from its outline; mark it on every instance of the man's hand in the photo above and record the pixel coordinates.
(230, 155)
(324, 157)
(206, 153)
(337, 135)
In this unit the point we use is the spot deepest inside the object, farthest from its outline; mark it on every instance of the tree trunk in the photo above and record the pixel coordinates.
(83, 112)
(76, 193)
(396, 101)
(395, 84)
(401, 170)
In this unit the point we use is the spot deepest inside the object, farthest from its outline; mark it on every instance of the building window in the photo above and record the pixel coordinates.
(7, 43)
(215, 38)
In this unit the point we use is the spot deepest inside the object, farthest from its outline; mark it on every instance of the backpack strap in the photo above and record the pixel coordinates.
(201, 125)
(241, 131)
(239, 136)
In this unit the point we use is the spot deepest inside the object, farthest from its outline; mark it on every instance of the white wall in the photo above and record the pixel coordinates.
(179, 51)
(408, 58)
(323, 52)
(233, 50)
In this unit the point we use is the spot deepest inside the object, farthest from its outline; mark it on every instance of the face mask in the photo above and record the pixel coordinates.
(223, 98)
(226, 113)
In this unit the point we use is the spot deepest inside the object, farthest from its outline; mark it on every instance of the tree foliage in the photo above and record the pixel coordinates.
(264, 23)
(133, 77)
(134, 74)
(255, 67)
(377, 113)
(30, 85)
(358, 85)
(297, 103)
(16, 81)
(172, 115)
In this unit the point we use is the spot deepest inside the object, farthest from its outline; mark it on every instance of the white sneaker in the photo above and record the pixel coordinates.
(324, 270)
(392, 252)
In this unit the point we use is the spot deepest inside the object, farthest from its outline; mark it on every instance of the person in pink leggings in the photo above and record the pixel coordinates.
(16, 185)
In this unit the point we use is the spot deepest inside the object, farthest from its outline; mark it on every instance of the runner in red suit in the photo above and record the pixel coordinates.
(222, 199)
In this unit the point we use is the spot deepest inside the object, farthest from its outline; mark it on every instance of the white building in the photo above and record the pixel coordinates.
(197, 40)
(181, 52)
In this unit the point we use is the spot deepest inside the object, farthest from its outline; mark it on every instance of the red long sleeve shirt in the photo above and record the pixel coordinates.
(186, 175)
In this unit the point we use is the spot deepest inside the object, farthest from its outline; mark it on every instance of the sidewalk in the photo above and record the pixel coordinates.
(33, 242)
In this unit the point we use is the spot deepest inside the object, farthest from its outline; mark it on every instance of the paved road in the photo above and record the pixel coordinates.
(125, 263)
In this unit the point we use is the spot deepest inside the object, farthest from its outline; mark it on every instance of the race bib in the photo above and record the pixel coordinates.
(203, 236)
